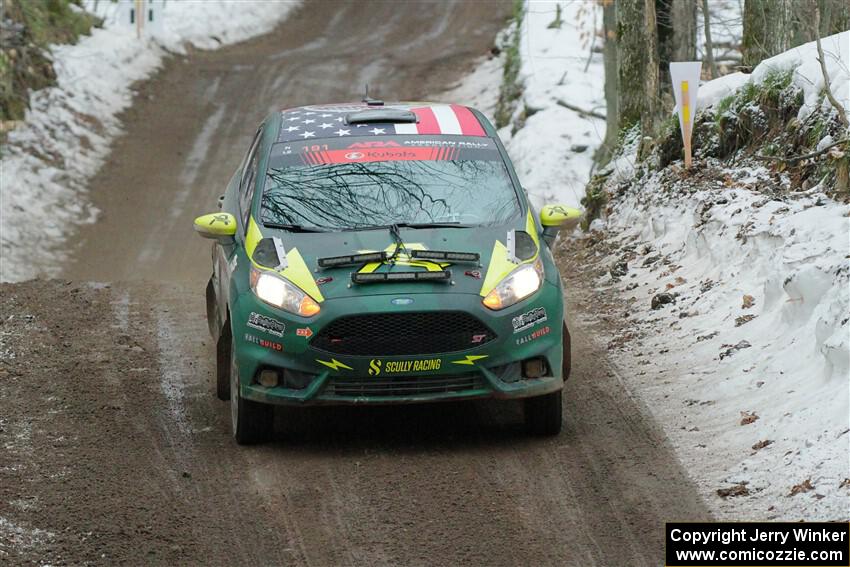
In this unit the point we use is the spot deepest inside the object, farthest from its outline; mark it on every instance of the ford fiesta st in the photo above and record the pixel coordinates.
(379, 253)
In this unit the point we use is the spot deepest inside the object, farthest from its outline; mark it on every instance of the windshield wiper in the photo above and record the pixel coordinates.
(453, 224)
(293, 227)
(410, 225)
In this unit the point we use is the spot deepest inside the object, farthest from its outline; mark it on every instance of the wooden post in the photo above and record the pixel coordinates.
(686, 123)
(140, 17)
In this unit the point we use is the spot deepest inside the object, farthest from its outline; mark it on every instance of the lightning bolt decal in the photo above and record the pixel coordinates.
(470, 359)
(334, 364)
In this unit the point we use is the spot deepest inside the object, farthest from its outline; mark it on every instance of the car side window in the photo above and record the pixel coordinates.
(249, 175)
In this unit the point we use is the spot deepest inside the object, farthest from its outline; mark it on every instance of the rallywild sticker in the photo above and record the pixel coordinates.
(529, 319)
(266, 324)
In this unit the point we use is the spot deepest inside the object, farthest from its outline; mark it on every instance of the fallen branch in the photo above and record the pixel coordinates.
(590, 113)
(795, 159)
(837, 105)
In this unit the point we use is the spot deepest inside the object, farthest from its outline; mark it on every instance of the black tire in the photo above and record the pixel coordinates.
(251, 421)
(543, 414)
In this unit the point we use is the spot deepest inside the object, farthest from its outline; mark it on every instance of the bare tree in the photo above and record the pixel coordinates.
(842, 116)
(637, 63)
(709, 44)
(832, 18)
(651, 85)
(609, 56)
(767, 29)
(677, 34)
(774, 26)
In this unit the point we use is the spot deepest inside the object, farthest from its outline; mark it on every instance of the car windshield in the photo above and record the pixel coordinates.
(350, 188)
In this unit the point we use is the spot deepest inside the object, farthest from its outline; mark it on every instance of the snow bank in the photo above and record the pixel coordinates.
(758, 327)
(711, 92)
(807, 72)
(746, 359)
(807, 75)
(67, 133)
(553, 151)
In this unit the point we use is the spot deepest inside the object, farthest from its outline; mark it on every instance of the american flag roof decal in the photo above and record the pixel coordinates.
(328, 121)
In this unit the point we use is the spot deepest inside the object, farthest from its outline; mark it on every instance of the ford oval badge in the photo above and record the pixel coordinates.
(402, 301)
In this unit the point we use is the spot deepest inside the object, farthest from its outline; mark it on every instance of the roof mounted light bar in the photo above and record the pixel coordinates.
(441, 255)
(352, 259)
(380, 277)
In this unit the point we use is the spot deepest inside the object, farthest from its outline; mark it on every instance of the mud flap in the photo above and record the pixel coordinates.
(223, 352)
(212, 310)
(568, 358)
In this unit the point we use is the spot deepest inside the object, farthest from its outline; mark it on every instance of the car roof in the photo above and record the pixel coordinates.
(375, 118)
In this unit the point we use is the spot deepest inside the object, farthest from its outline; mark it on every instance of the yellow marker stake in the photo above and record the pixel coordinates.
(686, 123)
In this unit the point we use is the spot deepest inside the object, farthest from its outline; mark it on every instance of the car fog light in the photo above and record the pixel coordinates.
(296, 380)
(534, 368)
(268, 378)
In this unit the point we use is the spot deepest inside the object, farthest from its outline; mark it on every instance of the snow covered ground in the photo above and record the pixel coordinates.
(67, 133)
(553, 152)
(747, 369)
(751, 378)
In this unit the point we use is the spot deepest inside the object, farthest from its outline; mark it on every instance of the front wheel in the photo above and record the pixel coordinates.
(251, 421)
(543, 414)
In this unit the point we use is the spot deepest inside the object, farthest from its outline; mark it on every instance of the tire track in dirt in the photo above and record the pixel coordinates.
(144, 469)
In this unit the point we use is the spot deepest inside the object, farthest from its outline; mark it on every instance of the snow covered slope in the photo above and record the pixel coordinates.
(553, 150)
(745, 359)
(67, 132)
(736, 289)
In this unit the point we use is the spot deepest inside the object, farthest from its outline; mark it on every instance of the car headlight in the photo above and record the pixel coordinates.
(281, 293)
(521, 283)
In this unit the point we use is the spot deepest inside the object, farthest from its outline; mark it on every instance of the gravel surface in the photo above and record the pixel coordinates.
(113, 448)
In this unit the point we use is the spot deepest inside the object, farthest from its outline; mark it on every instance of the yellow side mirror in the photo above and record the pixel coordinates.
(216, 225)
(559, 215)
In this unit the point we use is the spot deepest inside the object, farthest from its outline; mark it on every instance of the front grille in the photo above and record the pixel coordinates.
(403, 385)
(393, 334)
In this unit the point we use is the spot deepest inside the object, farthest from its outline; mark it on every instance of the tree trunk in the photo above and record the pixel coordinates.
(768, 29)
(652, 91)
(609, 55)
(834, 18)
(709, 45)
(637, 61)
(774, 26)
(677, 34)
(677, 29)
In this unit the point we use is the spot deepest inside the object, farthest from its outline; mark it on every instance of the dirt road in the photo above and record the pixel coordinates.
(114, 449)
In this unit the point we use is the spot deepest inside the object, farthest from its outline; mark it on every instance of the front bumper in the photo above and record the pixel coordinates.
(492, 370)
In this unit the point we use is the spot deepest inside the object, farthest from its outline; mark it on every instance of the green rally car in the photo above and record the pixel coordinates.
(377, 253)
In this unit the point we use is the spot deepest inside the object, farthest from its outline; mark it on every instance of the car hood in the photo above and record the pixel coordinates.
(303, 251)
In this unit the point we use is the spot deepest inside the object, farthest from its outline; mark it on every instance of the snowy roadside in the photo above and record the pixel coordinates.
(747, 368)
(67, 132)
(553, 149)
(745, 357)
